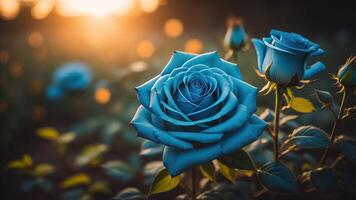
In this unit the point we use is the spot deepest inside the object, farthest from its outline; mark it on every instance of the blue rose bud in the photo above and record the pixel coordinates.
(283, 58)
(235, 37)
(346, 75)
(199, 108)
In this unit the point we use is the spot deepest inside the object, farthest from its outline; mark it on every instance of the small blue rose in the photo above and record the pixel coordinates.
(235, 37)
(54, 93)
(283, 58)
(346, 75)
(72, 76)
(199, 108)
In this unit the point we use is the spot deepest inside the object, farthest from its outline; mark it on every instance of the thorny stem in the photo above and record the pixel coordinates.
(333, 132)
(277, 110)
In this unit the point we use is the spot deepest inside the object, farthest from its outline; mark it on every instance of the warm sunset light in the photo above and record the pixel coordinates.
(35, 40)
(145, 49)
(149, 6)
(102, 95)
(9, 8)
(138, 66)
(42, 9)
(194, 46)
(94, 7)
(173, 28)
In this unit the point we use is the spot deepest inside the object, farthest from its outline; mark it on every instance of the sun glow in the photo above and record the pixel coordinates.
(94, 7)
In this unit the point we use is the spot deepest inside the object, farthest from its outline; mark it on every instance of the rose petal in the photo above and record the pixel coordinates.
(260, 51)
(314, 69)
(247, 94)
(176, 161)
(143, 91)
(197, 136)
(145, 129)
(178, 59)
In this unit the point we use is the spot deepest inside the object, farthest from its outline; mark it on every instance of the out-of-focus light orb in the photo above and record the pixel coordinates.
(4, 56)
(36, 86)
(149, 6)
(94, 7)
(102, 95)
(42, 9)
(138, 66)
(39, 112)
(145, 49)
(35, 40)
(9, 9)
(173, 28)
(16, 70)
(194, 46)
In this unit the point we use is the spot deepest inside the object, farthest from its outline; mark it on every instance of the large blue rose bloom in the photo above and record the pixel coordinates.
(199, 108)
(72, 76)
(283, 58)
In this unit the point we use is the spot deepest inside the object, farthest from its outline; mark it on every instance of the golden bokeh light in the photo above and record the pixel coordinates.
(39, 112)
(194, 46)
(145, 49)
(35, 39)
(16, 70)
(102, 95)
(94, 7)
(42, 9)
(4, 56)
(36, 86)
(173, 28)
(138, 66)
(149, 6)
(9, 9)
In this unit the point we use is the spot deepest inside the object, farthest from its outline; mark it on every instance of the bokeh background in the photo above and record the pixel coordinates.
(125, 43)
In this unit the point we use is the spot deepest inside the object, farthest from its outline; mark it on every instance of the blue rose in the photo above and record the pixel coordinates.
(283, 58)
(54, 93)
(346, 75)
(199, 108)
(72, 76)
(235, 37)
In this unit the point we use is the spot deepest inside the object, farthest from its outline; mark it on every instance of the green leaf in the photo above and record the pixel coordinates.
(99, 187)
(119, 170)
(324, 97)
(302, 105)
(238, 160)
(89, 153)
(323, 179)
(163, 182)
(48, 133)
(149, 148)
(43, 169)
(150, 170)
(347, 146)
(66, 138)
(75, 180)
(208, 171)
(350, 113)
(277, 177)
(130, 194)
(309, 137)
(229, 173)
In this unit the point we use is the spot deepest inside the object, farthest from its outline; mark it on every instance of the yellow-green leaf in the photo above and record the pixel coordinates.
(43, 169)
(227, 172)
(301, 105)
(208, 171)
(75, 180)
(163, 182)
(99, 187)
(48, 133)
(66, 138)
(90, 153)
(25, 162)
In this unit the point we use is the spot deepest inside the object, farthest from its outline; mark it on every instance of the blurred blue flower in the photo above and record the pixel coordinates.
(347, 73)
(199, 108)
(54, 93)
(283, 58)
(72, 76)
(235, 37)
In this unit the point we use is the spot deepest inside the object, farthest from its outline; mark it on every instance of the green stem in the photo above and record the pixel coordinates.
(193, 184)
(333, 132)
(277, 110)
